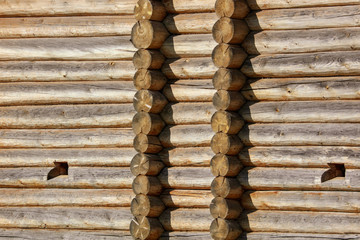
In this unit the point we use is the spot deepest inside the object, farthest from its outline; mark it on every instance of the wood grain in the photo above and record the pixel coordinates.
(189, 68)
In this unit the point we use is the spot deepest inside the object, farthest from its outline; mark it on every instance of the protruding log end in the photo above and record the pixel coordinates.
(147, 185)
(146, 164)
(226, 187)
(145, 228)
(228, 56)
(221, 229)
(149, 10)
(147, 123)
(228, 79)
(224, 165)
(149, 101)
(228, 100)
(149, 80)
(226, 122)
(148, 59)
(227, 30)
(225, 208)
(226, 144)
(231, 8)
(147, 144)
(149, 206)
(148, 34)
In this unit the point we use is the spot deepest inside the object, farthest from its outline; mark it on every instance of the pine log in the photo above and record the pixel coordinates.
(145, 228)
(147, 144)
(226, 144)
(297, 222)
(186, 177)
(334, 88)
(302, 201)
(297, 134)
(224, 165)
(149, 101)
(188, 68)
(186, 113)
(198, 135)
(40, 71)
(149, 10)
(176, 235)
(297, 236)
(225, 229)
(147, 185)
(186, 157)
(305, 18)
(228, 100)
(301, 156)
(188, 6)
(186, 219)
(148, 206)
(189, 90)
(303, 64)
(147, 123)
(237, 9)
(146, 164)
(78, 177)
(190, 23)
(148, 34)
(148, 59)
(226, 122)
(174, 198)
(231, 31)
(226, 187)
(269, 178)
(228, 56)
(264, 4)
(67, 116)
(225, 208)
(188, 45)
(66, 138)
(228, 79)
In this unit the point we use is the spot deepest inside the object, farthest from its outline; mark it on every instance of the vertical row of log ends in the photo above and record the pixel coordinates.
(229, 32)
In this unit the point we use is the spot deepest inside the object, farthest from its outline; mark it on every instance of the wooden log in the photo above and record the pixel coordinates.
(228, 100)
(186, 219)
(189, 91)
(188, 6)
(237, 9)
(184, 235)
(297, 134)
(226, 187)
(188, 45)
(147, 185)
(149, 80)
(231, 31)
(148, 59)
(331, 88)
(305, 18)
(187, 113)
(226, 122)
(147, 144)
(186, 157)
(226, 144)
(149, 10)
(228, 79)
(306, 222)
(148, 34)
(306, 156)
(226, 166)
(186, 177)
(302, 201)
(228, 56)
(66, 138)
(198, 135)
(189, 68)
(145, 228)
(296, 236)
(146, 164)
(224, 229)
(263, 4)
(190, 23)
(149, 101)
(147, 123)
(268, 178)
(225, 208)
(41, 71)
(174, 198)
(67, 116)
(148, 206)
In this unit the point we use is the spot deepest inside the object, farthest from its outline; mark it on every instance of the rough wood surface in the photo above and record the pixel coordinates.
(147, 123)
(297, 236)
(175, 198)
(149, 206)
(228, 56)
(228, 79)
(223, 165)
(228, 100)
(188, 68)
(148, 34)
(226, 122)
(228, 30)
(225, 208)
(147, 144)
(190, 156)
(149, 101)
(146, 164)
(189, 90)
(145, 228)
(226, 187)
(264, 4)
(190, 23)
(226, 144)
(236, 9)
(148, 59)
(147, 185)
(177, 235)
(149, 10)
(187, 6)
(224, 229)
(149, 80)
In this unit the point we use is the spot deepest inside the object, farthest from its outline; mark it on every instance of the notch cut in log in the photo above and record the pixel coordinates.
(237, 9)
(145, 228)
(226, 122)
(149, 10)
(61, 168)
(149, 101)
(225, 229)
(146, 164)
(147, 185)
(336, 170)
(225, 208)
(148, 34)
(231, 31)
(226, 187)
(148, 59)
(228, 56)
(224, 165)
(147, 144)
(228, 79)
(147, 123)
(148, 206)
(226, 144)
(228, 100)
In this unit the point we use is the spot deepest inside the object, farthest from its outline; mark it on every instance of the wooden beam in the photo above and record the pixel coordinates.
(188, 6)
(296, 236)
(199, 23)
(186, 157)
(189, 68)
(189, 90)
(264, 4)
(175, 198)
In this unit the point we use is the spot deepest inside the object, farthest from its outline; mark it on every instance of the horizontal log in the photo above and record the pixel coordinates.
(264, 4)
(189, 90)
(232, 9)
(186, 157)
(80, 26)
(176, 235)
(305, 18)
(190, 23)
(303, 64)
(149, 10)
(148, 59)
(188, 45)
(148, 34)
(187, 6)
(302, 111)
(302, 201)
(186, 113)
(268, 178)
(40, 71)
(225, 229)
(185, 68)
(142, 227)
(173, 198)
(198, 135)
(334, 88)
(297, 236)
(149, 101)
(66, 138)
(186, 177)
(79, 48)
(297, 222)
(297, 134)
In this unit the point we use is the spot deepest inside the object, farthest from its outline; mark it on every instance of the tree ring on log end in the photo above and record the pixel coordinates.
(148, 185)
(231, 8)
(226, 187)
(228, 79)
(145, 228)
(221, 229)
(146, 164)
(226, 144)
(224, 165)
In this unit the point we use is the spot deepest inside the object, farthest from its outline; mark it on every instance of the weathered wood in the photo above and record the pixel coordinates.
(184, 235)
(189, 91)
(149, 10)
(186, 198)
(188, 6)
(147, 123)
(228, 100)
(69, 138)
(226, 166)
(188, 45)
(226, 187)
(145, 228)
(186, 219)
(186, 113)
(224, 229)
(185, 68)
(306, 222)
(186, 177)
(146, 164)
(147, 185)
(148, 206)
(190, 156)
(228, 30)
(297, 236)
(226, 122)
(226, 144)
(149, 101)
(190, 23)
(302, 201)
(228, 56)
(225, 208)
(67, 116)
(264, 4)
(148, 59)
(198, 135)
(297, 134)
(334, 88)
(237, 9)
(228, 79)
(40, 71)
(147, 144)
(148, 34)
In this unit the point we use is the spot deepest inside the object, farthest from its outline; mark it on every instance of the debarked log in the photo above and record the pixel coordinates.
(148, 34)
(264, 4)
(188, 6)
(189, 156)
(148, 59)
(236, 9)
(190, 23)
(149, 80)
(296, 236)
(228, 30)
(176, 198)
(149, 10)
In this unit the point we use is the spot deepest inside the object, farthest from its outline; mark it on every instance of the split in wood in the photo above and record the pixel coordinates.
(148, 59)
(147, 144)
(148, 206)
(232, 8)
(147, 185)
(231, 31)
(147, 123)
(228, 79)
(226, 144)
(145, 228)
(228, 100)
(61, 168)
(225, 208)
(222, 229)
(148, 34)
(226, 187)
(228, 56)
(149, 10)
(224, 165)
(226, 122)
(146, 164)
(149, 101)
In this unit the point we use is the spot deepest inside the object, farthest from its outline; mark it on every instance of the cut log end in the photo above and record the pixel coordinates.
(146, 164)
(221, 229)
(148, 59)
(231, 8)
(149, 206)
(226, 122)
(223, 165)
(149, 101)
(149, 10)
(228, 56)
(226, 144)
(147, 144)
(227, 30)
(147, 185)
(226, 187)
(228, 79)
(146, 228)
(148, 34)
(147, 123)
(228, 100)
(225, 208)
